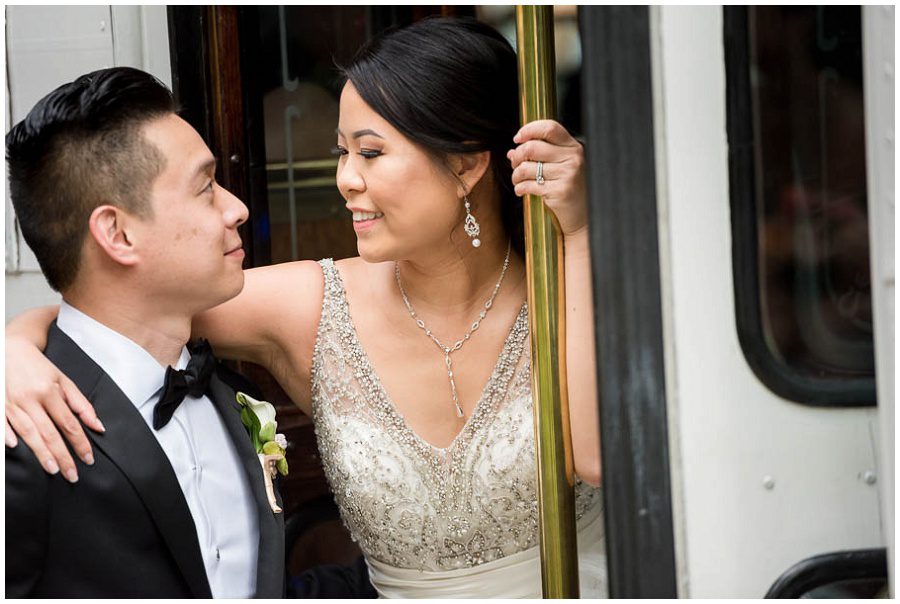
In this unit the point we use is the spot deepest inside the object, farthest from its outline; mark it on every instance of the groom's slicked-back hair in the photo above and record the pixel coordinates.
(80, 147)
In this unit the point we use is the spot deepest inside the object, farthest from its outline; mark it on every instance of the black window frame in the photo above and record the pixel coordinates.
(775, 375)
(832, 567)
(617, 105)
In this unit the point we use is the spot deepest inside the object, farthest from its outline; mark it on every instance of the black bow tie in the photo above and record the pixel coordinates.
(193, 380)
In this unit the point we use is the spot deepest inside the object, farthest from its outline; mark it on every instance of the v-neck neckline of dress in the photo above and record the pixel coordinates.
(387, 402)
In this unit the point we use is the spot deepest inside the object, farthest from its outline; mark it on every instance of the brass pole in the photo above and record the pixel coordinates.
(546, 306)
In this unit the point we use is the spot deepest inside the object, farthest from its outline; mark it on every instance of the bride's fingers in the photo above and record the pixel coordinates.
(530, 187)
(59, 410)
(548, 130)
(11, 440)
(28, 431)
(550, 171)
(527, 170)
(42, 436)
(80, 405)
(535, 150)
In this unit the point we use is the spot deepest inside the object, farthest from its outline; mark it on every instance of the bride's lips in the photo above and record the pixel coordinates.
(362, 224)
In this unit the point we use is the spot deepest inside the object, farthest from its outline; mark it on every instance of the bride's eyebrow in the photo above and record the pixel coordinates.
(360, 133)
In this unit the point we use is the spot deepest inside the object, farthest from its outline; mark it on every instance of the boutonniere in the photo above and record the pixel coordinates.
(259, 419)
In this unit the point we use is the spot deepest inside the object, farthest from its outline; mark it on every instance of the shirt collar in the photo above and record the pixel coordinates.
(134, 370)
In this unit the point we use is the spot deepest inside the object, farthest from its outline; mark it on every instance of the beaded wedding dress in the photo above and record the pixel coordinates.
(461, 521)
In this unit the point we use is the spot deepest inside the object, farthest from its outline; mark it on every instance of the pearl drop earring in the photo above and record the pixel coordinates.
(471, 226)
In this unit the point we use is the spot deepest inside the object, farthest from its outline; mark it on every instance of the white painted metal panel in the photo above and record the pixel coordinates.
(141, 39)
(27, 290)
(49, 45)
(878, 67)
(730, 430)
(665, 276)
(155, 40)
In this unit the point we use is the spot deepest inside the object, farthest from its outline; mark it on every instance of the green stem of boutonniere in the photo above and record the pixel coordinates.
(259, 419)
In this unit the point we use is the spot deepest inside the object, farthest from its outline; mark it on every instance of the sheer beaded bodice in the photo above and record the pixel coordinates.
(406, 502)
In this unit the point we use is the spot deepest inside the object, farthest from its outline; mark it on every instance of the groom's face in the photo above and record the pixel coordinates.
(191, 250)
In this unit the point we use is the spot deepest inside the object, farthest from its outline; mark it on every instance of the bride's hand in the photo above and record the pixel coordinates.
(563, 171)
(40, 401)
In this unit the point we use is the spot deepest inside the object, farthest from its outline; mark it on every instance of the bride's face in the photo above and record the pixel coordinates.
(403, 202)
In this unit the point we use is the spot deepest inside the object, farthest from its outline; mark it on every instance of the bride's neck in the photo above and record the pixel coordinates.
(458, 279)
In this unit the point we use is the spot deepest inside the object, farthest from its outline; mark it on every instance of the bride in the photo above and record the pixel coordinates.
(413, 358)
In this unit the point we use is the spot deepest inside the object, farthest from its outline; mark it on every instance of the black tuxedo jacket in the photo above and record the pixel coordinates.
(124, 529)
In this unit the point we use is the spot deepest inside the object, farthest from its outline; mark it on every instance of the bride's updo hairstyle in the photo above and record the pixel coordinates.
(451, 86)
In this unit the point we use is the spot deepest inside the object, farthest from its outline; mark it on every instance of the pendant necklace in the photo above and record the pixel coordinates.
(448, 350)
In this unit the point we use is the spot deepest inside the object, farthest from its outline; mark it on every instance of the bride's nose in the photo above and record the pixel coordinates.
(349, 178)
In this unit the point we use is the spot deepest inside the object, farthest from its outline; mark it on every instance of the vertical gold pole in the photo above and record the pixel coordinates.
(546, 306)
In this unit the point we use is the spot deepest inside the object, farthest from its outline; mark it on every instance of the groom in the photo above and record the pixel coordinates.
(117, 197)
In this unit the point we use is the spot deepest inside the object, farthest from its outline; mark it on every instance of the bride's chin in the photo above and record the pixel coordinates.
(372, 253)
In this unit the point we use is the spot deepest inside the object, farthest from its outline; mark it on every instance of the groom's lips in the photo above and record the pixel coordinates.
(237, 252)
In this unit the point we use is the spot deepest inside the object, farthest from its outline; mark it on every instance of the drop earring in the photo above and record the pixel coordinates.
(471, 226)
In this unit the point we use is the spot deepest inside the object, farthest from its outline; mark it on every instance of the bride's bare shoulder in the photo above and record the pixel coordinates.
(356, 271)
(365, 283)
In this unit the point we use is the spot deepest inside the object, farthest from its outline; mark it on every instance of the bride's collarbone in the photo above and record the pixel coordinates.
(423, 368)
(411, 366)
(407, 349)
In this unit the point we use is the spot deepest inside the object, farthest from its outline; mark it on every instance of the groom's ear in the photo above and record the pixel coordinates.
(110, 230)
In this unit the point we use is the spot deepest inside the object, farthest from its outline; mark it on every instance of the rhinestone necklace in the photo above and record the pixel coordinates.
(448, 350)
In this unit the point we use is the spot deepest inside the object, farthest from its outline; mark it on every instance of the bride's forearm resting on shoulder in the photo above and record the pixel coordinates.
(31, 326)
(580, 358)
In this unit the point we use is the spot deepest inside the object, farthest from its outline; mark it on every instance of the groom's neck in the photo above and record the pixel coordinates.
(162, 334)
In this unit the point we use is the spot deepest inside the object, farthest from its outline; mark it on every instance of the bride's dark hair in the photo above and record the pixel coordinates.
(451, 86)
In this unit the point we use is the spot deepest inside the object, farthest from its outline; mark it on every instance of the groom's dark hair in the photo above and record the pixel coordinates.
(81, 147)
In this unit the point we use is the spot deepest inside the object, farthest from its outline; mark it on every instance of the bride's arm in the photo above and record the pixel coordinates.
(272, 322)
(564, 192)
(581, 366)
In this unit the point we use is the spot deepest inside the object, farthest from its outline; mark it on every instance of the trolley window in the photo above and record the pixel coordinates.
(798, 197)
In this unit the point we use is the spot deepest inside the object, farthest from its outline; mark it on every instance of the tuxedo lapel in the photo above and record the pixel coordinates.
(131, 446)
(270, 564)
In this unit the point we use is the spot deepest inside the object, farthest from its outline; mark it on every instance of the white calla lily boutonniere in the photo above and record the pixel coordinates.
(259, 419)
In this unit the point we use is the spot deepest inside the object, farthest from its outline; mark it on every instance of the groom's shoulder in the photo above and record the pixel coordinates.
(59, 345)
(74, 362)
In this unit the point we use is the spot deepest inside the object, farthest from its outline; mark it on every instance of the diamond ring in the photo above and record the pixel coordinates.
(539, 177)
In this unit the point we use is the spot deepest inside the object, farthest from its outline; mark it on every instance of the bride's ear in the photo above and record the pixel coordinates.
(469, 169)
(110, 228)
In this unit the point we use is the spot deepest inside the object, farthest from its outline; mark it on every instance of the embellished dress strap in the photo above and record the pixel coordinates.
(335, 309)
(332, 322)
(333, 287)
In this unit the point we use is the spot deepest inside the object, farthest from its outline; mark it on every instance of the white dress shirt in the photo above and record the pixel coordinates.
(198, 446)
